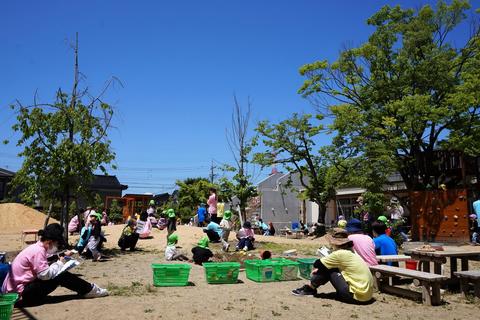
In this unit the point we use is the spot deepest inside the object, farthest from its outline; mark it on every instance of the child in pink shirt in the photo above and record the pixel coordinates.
(363, 245)
(212, 205)
(33, 278)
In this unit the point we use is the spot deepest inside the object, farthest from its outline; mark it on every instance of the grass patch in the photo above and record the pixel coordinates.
(134, 289)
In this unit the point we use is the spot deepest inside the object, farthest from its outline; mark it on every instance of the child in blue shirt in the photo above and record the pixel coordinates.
(384, 245)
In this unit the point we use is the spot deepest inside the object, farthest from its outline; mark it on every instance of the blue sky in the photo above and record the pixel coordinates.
(180, 62)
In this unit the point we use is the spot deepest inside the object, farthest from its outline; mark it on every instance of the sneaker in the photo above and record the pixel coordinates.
(306, 290)
(96, 292)
(245, 248)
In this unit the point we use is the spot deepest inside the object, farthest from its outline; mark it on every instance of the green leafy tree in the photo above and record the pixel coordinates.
(64, 143)
(191, 193)
(98, 202)
(291, 143)
(406, 92)
(241, 185)
(115, 212)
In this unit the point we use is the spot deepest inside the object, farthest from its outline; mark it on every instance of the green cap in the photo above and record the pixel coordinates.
(172, 239)
(152, 202)
(203, 243)
(383, 219)
(171, 213)
(227, 215)
(96, 215)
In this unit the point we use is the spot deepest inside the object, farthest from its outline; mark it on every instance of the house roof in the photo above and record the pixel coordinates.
(6, 173)
(107, 182)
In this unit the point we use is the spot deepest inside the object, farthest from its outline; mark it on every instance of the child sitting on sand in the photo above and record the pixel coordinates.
(171, 252)
(245, 237)
(226, 225)
(201, 253)
(129, 237)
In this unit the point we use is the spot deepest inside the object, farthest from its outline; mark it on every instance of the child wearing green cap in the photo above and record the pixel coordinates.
(172, 222)
(226, 225)
(171, 252)
(201, 253)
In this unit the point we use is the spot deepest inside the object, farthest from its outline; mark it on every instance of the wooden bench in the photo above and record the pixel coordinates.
(25, 234)
(429, 282)
(467, 277)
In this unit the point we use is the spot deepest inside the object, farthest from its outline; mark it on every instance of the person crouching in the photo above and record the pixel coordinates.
(346, 271)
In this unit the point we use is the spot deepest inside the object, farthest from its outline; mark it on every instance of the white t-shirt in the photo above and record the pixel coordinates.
(170, 251)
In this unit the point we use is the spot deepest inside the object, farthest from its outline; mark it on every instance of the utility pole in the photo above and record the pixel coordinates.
(212, 174)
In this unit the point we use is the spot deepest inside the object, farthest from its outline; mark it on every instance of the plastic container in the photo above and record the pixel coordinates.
(221, 272)
(305, 266)
(411, 264)
(277, 269)
(6, 305)
(260, 270)
(170, 275)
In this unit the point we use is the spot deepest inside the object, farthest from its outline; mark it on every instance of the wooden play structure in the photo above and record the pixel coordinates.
(440, 216)
(130, 203)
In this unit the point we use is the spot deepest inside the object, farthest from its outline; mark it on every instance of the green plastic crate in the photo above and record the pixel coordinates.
(277, 269)
(221, 272)
(170, 275)
(6, 305)
(260, 270)
(286, 270)
(305, 266)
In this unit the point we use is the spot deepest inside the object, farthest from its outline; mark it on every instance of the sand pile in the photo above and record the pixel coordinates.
(15, 217)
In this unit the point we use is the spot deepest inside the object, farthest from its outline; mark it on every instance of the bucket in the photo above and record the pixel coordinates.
(411, 264)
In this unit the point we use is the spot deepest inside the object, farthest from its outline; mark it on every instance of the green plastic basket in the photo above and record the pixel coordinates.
(305, 266)
(170, 275)
(277, 269)
(221, 272)
(260, 270)
(286, 270)
(6, 305)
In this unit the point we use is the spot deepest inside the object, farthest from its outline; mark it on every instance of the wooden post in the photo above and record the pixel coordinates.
(426, 298)
(436, 299)
(453, 267)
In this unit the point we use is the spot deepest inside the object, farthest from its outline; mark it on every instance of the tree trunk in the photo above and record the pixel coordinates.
(48, 215)
(322, 210)
(65, 209)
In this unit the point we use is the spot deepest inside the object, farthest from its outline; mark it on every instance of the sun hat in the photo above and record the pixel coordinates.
(341, 217)
(172, 239)
(337, 237)
(53, 232)
(342, 224)
(227, 215)
(354, 225)
(382, 219)
(473, 216)
(171, 213)
(96, 215)
(203, 242)
(394, 200)
(152, 202)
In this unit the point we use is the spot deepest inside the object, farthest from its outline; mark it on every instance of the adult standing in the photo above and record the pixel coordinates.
(212, 204)
(396, 216)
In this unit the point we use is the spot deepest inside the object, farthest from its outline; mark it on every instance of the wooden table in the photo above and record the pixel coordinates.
(440, 257)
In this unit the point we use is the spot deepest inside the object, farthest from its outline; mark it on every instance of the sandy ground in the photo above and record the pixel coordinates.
(129, 279)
